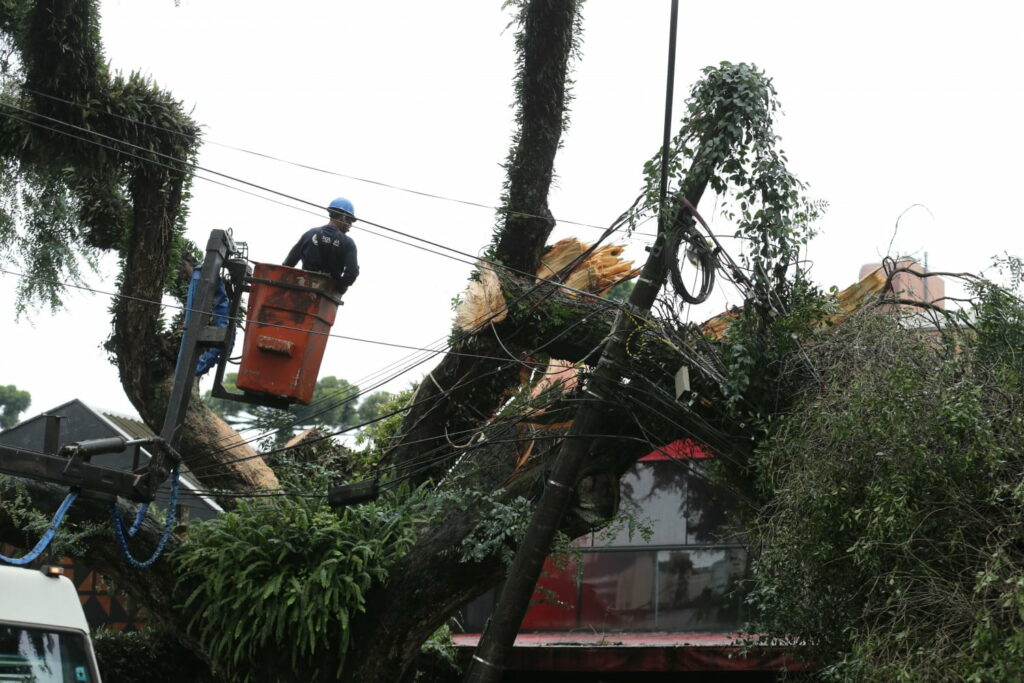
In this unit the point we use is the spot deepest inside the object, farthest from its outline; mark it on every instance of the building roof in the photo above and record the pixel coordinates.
(83, 421)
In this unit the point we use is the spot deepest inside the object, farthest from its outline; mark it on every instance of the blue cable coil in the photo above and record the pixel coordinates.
(51, 531)
(121, 535)
(140, 517)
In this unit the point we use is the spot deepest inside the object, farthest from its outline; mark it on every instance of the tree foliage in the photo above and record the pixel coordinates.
(81, 148)
(273, 585)
(890, 535)
(149, 656)
(13, 402)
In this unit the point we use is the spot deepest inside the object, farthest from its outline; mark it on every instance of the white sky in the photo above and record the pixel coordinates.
(886, 105)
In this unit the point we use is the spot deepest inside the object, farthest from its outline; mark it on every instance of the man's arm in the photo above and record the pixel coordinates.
(295, 254)
(351, 265)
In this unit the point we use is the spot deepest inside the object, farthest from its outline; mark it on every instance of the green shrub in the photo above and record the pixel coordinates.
(891, 542)
(288, 571)
(150, 656)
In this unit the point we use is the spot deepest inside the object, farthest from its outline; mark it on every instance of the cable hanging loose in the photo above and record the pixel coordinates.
(120, 532)
(51, 531)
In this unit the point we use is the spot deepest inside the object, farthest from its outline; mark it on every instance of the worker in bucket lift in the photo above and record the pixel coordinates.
(329, 249)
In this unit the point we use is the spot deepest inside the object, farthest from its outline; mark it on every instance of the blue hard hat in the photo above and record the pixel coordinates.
(342, 204)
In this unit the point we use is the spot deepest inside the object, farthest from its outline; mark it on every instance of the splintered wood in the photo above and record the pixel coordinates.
(483, 302)
(601, 270)
(848, 302)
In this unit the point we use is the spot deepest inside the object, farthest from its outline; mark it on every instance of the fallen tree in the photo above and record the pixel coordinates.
(462, 461)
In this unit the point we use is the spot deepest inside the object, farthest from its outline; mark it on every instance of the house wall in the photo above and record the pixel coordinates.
(929, 289)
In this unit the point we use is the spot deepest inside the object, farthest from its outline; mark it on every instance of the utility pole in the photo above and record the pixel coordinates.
(500, 632)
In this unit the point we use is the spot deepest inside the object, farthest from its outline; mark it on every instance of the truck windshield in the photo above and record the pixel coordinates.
(37, 655)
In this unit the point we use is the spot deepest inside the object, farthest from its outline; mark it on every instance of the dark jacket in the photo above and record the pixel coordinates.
(327, 250)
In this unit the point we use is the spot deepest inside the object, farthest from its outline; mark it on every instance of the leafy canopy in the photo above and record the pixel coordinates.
(13, 402)
(891, 537)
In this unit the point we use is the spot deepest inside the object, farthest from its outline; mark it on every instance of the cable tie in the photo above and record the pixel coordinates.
(632, 308)
(559, 485)
(485, 662)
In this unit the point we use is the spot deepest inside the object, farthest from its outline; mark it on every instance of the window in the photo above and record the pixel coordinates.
(36, 655)
(688, 577)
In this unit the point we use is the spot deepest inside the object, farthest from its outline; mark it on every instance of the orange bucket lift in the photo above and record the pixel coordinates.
(288, 321)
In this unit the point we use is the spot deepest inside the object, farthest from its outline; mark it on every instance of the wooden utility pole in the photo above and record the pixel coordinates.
(500, 632)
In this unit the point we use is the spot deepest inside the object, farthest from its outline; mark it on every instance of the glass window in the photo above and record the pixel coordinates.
(35, 655)
(678, 502)
(618, 591)
(666, 590)
(653, 495)
(700, 590)
(687, 577)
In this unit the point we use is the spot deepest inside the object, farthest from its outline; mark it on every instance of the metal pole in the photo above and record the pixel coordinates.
(217, 250)
(669, 90)
(500, 632)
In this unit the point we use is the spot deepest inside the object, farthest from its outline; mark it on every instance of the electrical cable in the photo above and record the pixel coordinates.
(581, 292)
(568, 268)
(51, 531)
(119, 531)
(433, 353)
(142, 511)
(701, 256)
(237, 319)
(462, 336)
(86, 130)
(197, 167)
(321, 170)
(234, 179)
(407, 408)
(424, 463)
(430, 351)
(366, 423)
(507, 364)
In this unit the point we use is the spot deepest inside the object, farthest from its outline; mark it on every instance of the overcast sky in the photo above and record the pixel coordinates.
(887, 105)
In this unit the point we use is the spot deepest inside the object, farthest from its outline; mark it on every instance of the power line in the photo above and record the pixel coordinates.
(561, 333)
(397, 437)
(322, 170)
(558, 284)
(290, 197)
(464, 335)
(195, 167)
(431, 353)
(569, 267)
(237, 319)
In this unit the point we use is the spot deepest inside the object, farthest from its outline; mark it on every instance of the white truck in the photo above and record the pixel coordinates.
(44, 637)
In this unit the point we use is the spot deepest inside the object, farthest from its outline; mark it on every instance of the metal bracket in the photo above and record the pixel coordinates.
(72, 468)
